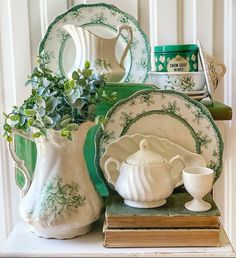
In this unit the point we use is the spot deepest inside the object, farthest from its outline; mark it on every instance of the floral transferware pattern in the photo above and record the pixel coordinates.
(184, 114)
(103, 15)
(185, 83)
(58, 198)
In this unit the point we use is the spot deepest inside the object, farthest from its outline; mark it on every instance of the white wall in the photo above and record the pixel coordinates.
(23, 24)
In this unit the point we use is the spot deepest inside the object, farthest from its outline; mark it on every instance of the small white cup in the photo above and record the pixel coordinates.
(198, 181)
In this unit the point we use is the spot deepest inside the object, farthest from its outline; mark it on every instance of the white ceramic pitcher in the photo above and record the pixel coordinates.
(60, 201)
(100, 52)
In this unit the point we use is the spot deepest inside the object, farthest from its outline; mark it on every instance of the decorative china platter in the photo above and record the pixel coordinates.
(58, 50)
(166, 114)
(126, 145)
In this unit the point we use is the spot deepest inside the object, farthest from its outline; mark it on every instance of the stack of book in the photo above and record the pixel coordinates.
(169, 225)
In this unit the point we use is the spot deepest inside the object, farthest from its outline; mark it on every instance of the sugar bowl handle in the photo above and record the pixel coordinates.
(107, 171)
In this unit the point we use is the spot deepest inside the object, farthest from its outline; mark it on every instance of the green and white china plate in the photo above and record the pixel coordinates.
(58, 50)
(166, 114)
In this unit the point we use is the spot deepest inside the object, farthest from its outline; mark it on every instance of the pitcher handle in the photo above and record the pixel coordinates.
(130, 32)
(223, 70)
(217, 63)
(177, 175)
(20, 164)
(108, 173)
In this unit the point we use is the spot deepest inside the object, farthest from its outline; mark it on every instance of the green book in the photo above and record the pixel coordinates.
(171, 215)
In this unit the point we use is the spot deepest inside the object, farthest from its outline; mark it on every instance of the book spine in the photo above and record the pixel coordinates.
(162, 222)
(161, 238)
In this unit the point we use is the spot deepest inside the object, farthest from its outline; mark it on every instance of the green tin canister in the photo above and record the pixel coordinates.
(176, 58)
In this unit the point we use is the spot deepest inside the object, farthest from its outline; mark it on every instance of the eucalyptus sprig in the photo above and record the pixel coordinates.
(58, 103)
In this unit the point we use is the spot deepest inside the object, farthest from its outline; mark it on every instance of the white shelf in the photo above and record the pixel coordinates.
(23, 243)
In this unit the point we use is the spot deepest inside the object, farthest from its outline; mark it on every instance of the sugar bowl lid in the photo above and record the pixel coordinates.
(145, 156)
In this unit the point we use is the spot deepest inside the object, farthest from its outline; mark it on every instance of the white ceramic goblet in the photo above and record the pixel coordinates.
(198, 181)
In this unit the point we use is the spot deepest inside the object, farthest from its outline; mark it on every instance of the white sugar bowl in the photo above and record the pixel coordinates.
(146, 179)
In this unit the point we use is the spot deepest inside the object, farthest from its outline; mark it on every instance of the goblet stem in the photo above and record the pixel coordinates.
(198, 205)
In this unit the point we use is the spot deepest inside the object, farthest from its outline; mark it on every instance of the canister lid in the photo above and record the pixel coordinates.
(175, 48)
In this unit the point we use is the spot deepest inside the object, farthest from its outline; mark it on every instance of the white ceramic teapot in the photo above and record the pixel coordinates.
(146, 179)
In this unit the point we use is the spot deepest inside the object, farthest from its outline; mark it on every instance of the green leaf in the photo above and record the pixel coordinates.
(51, 103)
(72, 84)
(45, 82)
(67, 86)
(36, 135)
(70, 136)
(7, 128)
(9, 138)
(91, 117)
(72, 98)
(75, 75)
(82, 82)
(43, 131)
(114, 94)
(69, 92)
(47, 120)
(66, 116)
(30, 121)
(87, 65)
(87, 73)
(14, 117)
(30, 112)
(41, 112)
(56, 117)
(73, 126)
(22, 120)
(65, 122)
(40, 90)
(40, 102)
(39, 123)
(100, 120)
(79, 103)
(92, 108)
(64, 132)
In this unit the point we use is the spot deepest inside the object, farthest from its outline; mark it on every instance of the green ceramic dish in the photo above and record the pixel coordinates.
(176, 58)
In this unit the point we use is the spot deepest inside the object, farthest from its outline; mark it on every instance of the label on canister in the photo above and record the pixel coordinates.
(178, 64)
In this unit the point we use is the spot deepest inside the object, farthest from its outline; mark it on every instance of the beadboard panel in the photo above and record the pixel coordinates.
(41, 14)
(230, 98)
(15, 66)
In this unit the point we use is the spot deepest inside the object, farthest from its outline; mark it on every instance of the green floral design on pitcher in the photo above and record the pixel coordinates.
(58, 197)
